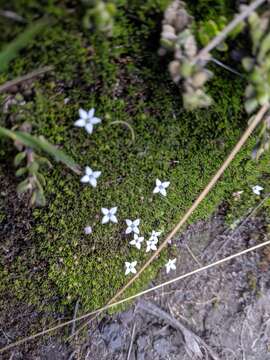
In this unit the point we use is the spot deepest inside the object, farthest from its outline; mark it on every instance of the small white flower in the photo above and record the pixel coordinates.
(161, 187)
(257, 189)
(151, 245)
(109, 215)
(132, 226)
(87, 230)
(154, 235)
(87, 120)
(137, 241)
(170, 265)
(130, 267)
(90, 176)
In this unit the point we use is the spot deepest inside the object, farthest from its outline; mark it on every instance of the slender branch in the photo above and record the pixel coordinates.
(6, 86)
(204, 53)
(131, 340)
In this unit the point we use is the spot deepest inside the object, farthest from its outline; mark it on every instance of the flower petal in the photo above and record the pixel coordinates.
(113, 219)
(105, 211)
(83, 114)
(96, 174)
(85, 179)
(80, 123)
(156, 190)
(158, 182)
(128, 222)
(88, 170)
(105, 219)
(133, 270)
(136, 230)
(136, 222)
(89, 128)
(95, 120)
(113, 210)
(128, 230)
(163, 192)
(90, 113)
(93, 181)
(166, 184)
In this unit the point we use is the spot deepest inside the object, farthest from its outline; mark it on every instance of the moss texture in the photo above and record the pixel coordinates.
(123, 79)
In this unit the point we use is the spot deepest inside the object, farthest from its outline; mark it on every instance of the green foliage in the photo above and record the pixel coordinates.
(39, 144)
(209, 29)
(99, 16)
(35, 181)
(12, 49)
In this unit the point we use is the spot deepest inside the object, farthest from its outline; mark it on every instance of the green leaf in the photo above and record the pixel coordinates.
(40, 143)
(41, 179)
(33, 168)
(264, 48)
(251, 105)
(11, 50)
(44, 161)
(7, 133)
(248, 63)
(21, 171)
(23, 186)
(19, 158)
(40, 198)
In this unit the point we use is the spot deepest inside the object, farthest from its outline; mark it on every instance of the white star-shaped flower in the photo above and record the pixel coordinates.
(130, 267)
(137, 241)
(90, 176)
(154, 235)
(87, 120)
(161, 187)
(109, 215)
(132, 226)
(151, 245)
(257, 189)
(170, 265)
(87, 230)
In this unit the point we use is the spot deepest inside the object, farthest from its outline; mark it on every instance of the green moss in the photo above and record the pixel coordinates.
(124, 79)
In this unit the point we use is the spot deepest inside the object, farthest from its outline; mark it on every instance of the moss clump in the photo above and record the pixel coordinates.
(123, 79)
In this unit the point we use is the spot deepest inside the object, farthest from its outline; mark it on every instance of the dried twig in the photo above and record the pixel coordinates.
(74, 317)
(6, 86)
(131, 340)
(12, 15)
(192, 341)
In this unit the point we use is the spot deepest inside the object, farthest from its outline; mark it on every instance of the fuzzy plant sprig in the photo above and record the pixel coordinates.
(188, 68)
(257, 65)
(99, 15)
(29, 162)
(177, 37)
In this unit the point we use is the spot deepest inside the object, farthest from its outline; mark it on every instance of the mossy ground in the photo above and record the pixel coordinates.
(123, 79)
